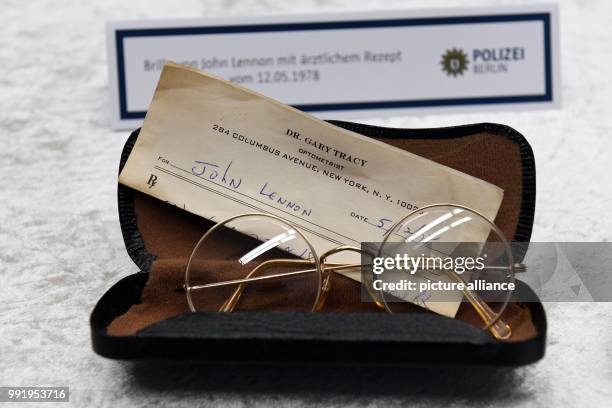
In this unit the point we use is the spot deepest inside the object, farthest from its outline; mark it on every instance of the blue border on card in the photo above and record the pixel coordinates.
(121, 34)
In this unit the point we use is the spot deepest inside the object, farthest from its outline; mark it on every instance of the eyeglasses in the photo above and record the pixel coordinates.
(262, 262)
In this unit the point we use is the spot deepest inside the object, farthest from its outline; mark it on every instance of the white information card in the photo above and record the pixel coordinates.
(351, 64)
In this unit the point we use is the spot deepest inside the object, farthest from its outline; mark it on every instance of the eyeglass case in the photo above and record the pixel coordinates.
(143, 317)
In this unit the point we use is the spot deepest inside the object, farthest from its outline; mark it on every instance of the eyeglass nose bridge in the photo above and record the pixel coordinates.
(327, 273)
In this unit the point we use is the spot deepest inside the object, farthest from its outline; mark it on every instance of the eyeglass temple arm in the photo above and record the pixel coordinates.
(258, 278)
(497, 327)
(230, 303)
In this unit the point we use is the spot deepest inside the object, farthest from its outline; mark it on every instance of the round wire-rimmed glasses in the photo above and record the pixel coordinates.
(262, 262)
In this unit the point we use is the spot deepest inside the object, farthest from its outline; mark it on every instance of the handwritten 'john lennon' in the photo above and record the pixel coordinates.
(326, 148)
(222, 175)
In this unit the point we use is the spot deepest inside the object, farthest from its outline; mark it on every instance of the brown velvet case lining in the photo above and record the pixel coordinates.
(170, 233)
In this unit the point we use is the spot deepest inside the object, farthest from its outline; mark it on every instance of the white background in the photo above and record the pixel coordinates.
(61, 247)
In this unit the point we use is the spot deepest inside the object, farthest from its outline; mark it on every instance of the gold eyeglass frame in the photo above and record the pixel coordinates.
(496, 326)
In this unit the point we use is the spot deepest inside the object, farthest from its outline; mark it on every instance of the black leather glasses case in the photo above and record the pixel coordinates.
(143, 316)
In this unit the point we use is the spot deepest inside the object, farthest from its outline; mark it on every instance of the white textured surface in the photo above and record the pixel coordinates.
(61, 248)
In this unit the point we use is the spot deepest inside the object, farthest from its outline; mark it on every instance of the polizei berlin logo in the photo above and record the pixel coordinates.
(454, 62)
